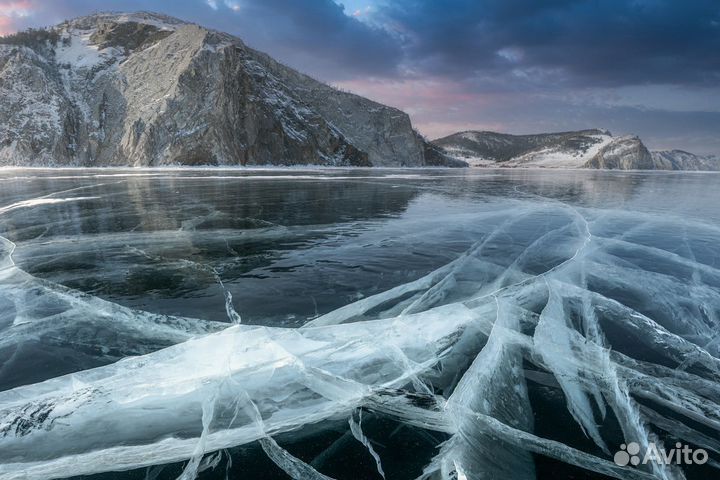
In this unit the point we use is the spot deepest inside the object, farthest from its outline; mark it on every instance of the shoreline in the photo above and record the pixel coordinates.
(243, 168)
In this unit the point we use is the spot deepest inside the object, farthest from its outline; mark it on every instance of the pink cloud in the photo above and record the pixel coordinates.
(437, 106)
(410, 93)
(15, 7)
(12, 10)
(5, 25)
(362, 11)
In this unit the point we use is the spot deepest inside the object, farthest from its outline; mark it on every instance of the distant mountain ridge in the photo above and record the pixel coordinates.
(593, 148)
(147, 89)
(682, 160)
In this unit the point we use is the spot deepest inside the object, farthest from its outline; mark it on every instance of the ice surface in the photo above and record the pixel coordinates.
(293, 376)
(556, 334)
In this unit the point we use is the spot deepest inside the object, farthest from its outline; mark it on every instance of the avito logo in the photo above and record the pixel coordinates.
(680, 455)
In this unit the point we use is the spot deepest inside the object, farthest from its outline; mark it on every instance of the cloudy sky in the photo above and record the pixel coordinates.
(648, 67)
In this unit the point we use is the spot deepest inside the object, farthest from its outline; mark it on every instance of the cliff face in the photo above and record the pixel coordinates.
(145, 89)
(624, 153)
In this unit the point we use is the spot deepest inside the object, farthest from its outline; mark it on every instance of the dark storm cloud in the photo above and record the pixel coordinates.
(491, 43)
(587, 42)
(316, 36)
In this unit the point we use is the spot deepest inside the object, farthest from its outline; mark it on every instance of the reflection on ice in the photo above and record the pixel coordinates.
(560, 333)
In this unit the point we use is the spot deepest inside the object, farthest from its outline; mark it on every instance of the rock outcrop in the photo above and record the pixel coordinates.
(682, 160)
(624, 153)
(145, 89)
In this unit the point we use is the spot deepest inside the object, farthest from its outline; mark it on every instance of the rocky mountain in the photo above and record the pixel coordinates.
(579, 149)
(146, 89)
(624, 153)
(681, 160)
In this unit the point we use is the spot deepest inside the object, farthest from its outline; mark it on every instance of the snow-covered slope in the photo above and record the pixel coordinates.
(565, 149)
(580, 149)
(571, 152)
(147, 89)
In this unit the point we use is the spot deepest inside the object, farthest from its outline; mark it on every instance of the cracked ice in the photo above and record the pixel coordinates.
(589, 311)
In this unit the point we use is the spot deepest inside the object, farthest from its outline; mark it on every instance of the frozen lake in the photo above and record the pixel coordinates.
(478, 323)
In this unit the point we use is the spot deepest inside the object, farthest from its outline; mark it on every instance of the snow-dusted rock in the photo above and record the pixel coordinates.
(681, 160)
(624, 153)
(560, 150)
